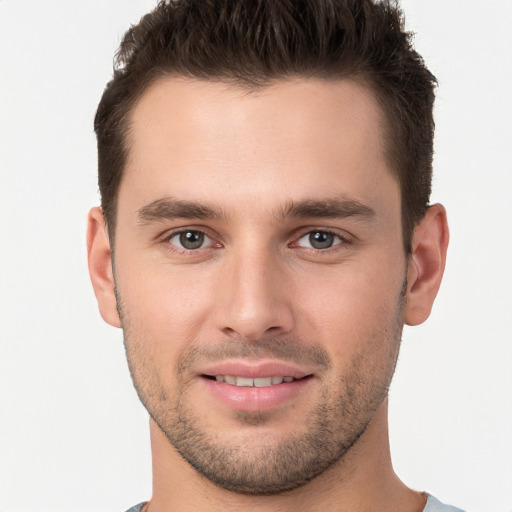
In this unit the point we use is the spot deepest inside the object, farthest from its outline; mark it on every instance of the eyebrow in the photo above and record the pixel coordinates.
(169, 208)
(328, 209)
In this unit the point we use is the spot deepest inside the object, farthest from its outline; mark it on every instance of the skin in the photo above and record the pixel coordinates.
(249, 166)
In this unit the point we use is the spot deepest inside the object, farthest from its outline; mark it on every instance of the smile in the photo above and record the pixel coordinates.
(248, 382)
(255, 386)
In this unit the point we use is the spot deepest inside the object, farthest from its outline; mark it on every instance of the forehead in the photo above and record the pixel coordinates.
(299, 139)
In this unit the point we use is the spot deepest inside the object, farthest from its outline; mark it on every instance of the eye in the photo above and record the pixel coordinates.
(189, 239)
(319, 240)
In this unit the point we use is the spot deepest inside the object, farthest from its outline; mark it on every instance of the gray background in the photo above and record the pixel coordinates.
(73, 436)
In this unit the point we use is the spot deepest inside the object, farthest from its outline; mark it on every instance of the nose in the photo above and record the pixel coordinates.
(254, 299)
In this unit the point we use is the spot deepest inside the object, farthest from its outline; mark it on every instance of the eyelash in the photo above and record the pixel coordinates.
(343, 240)
(166, 239)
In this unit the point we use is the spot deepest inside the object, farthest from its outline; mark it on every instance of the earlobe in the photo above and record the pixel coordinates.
(426, 264)
(99, 259)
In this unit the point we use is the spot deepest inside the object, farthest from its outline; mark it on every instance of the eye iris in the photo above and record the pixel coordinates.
(321, 240)
(191, 239)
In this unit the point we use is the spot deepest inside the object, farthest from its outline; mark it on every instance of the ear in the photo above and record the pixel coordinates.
(99, 258)
(426, 264)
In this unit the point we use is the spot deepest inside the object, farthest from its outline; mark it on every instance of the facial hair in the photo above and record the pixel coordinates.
(255, 463)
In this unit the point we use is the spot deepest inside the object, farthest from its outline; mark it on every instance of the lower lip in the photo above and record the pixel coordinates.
(253, 399)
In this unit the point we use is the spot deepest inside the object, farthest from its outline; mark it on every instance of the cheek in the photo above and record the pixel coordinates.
(162, 308)
(353, 308)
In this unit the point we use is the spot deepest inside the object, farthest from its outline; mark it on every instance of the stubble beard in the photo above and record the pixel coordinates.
(262, 466)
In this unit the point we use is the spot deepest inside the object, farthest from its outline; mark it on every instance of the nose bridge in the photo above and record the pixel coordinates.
(252, 297)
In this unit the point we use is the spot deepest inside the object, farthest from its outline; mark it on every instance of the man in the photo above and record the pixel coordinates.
(265, 232)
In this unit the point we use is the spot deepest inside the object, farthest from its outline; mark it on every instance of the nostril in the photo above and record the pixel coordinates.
(251, 322)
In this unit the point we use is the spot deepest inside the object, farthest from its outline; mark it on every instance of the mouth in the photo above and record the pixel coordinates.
(249, 382)
(256, 387)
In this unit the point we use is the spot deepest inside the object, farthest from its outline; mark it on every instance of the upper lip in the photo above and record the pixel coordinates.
(255, 369)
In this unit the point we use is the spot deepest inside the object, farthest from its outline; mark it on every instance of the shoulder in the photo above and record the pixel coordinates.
(434, 505)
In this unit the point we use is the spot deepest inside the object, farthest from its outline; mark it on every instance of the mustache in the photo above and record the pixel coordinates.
(290, 350)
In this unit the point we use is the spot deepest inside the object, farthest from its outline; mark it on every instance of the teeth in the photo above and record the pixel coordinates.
(244, 382)
(258, 382)
(262, 382)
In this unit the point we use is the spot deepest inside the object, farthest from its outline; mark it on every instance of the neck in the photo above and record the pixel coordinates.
(363, 480)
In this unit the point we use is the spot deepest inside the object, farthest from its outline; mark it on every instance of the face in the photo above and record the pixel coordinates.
(260, 274)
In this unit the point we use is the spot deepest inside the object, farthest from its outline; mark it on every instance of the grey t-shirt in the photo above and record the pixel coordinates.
(137, 507)
(433, 505)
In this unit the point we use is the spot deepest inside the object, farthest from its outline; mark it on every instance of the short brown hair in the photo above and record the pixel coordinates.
(253, 43)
